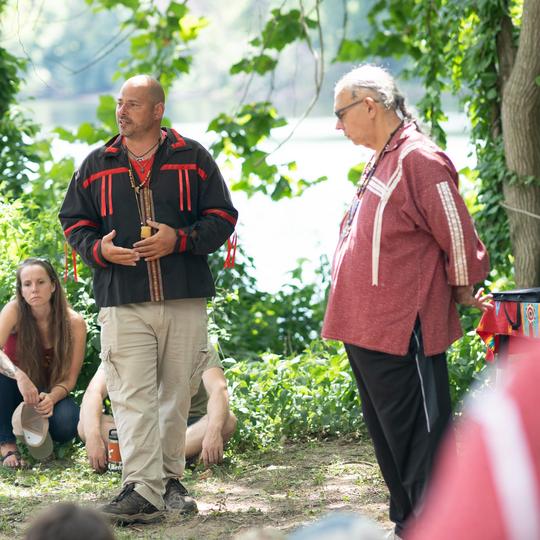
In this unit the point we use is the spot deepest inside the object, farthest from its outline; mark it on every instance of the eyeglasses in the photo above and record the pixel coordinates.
(340, 113)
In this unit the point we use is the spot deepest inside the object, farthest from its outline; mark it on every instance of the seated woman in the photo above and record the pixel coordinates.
(44, 342)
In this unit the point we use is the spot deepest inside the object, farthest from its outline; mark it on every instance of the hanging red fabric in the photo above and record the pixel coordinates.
(232, 242)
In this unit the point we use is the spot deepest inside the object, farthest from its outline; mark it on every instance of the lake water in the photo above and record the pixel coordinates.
(277, 234)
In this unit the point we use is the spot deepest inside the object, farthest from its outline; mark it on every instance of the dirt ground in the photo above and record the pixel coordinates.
(280, 489)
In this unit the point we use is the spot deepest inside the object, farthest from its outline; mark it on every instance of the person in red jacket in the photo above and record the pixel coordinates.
(407, 253)
(144, 211)
(490, 488)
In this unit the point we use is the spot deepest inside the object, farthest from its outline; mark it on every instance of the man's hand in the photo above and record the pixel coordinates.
(115, 254)
(464, 295)
(45, 406)
(97, 453)
(212, 448)
(27, 388)
(158, 245)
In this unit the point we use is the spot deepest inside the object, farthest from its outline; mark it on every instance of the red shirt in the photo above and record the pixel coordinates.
(10, 348)
(411, 239)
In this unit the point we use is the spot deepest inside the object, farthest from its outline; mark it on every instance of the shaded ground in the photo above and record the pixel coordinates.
(282, 489)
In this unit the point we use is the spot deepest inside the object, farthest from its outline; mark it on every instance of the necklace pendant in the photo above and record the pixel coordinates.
(146, 231)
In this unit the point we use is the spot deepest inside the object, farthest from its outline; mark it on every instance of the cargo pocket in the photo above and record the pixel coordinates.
(112, 378)
(198, 368)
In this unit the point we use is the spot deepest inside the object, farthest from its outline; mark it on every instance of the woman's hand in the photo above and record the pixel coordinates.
(45, 406)
(27, 388)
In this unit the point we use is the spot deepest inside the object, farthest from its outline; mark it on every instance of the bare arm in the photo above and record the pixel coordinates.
(8, 320)
(7, 367)
(217, 411)
(90, 421)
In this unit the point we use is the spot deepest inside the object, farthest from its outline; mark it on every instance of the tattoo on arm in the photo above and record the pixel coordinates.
(7, 367)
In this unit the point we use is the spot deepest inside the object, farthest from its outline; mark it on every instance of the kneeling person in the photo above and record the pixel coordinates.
(211, 422)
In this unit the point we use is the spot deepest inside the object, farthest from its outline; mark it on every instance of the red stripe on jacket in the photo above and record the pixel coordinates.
(181, 190)
(221, 214)
(103, 203)
(178, 166)
(183, 240)
(95, 253)
(100, 174)
(179, 140)
(80, 223)
(188, 190)
(202, 174)
(109, 187)
(184, 166)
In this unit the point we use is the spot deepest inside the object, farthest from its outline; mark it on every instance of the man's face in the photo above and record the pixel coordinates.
(136, 113)
(354, 116)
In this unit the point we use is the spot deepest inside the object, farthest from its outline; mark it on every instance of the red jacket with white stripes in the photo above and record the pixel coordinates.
(410, 241)
(186, 191)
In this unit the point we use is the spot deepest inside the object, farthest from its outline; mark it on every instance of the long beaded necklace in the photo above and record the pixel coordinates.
(367, 174)
(146, 231)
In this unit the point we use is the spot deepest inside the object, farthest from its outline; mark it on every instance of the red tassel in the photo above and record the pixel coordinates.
(65, 262)
(232, 242)
(74, 259)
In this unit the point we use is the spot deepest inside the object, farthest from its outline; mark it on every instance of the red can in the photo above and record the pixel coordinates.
(114, 457)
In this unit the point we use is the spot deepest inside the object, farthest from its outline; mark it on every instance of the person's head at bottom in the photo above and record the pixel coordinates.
(66, 521)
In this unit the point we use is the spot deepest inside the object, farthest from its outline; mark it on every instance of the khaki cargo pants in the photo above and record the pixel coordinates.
(153, 354)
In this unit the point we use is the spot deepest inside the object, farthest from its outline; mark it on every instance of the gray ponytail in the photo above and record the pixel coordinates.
(381, 83)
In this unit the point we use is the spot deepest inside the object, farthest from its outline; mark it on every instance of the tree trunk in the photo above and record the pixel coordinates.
(521, 135)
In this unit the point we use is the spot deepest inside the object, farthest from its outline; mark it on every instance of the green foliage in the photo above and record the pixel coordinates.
(242, 134)
(466, 360)
(17, 155)
(281, 30)
(159, 45)
(312, 394)
(240, 138)
(250, 322)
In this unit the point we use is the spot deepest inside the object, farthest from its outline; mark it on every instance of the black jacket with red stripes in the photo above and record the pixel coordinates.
(186, 192)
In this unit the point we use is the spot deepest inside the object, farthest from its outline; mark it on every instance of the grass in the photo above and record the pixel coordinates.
(282, 488)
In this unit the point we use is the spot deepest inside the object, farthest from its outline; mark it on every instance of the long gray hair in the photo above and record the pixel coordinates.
(379, 81)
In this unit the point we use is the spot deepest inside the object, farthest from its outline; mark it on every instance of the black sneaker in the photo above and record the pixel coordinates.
(177, 498)
(130, 507)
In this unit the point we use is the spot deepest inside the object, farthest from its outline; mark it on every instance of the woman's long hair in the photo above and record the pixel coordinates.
(30, 349)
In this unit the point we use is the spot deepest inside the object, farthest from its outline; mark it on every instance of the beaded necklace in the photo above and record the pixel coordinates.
(141, 165)
(367, 174)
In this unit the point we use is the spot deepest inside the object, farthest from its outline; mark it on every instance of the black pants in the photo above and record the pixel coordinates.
(406, 407)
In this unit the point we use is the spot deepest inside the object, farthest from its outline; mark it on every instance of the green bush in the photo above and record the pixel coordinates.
(311, 394)
(250, 322)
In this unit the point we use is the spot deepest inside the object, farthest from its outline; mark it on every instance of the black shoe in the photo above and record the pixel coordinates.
(177, 498)
(130, 507)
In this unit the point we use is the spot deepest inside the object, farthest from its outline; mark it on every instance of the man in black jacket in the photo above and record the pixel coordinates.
(143, 212)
